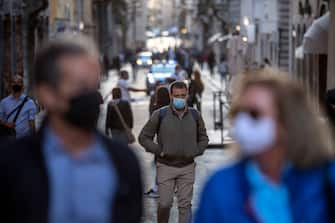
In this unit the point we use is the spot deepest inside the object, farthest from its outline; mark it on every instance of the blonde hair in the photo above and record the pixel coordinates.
(308, 140)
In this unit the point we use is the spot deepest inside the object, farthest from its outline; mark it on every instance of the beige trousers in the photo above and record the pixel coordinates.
(168, 179)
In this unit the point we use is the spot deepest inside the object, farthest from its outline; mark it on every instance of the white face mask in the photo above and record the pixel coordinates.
(254, 136)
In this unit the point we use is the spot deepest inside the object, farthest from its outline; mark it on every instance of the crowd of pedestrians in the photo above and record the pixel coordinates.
(67, 171)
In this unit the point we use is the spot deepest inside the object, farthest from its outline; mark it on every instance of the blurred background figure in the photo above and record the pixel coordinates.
(162, 99)
(266, 63)
(17, 112)
(196, 88)
(223, 70)
(68, 172)
(287, 159)
(123, 84)
(330, 107)
(211, 61)
(180, 74)
(119, 113)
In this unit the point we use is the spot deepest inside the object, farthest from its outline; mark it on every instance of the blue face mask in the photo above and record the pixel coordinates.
(179, 103)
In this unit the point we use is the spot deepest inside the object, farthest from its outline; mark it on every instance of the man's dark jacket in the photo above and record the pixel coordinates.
(24, 187)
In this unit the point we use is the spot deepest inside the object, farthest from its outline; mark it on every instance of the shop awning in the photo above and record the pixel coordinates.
(316, 38)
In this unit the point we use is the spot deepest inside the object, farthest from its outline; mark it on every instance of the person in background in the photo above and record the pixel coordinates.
(330, 107)
(9, 109)
(266, 63)
(196, 88)
(181, 136)
(113, 123)
(287, 170)
(224, 71)
(162, 100)
(68, 171)
(123, 84)
(180, 74)
(153, 97)
(211, 61)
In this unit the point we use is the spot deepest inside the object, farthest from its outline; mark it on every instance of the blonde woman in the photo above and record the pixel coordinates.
(287, 173)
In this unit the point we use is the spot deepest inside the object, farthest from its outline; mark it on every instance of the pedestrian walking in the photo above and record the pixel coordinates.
(175, 158)
(68, 172)
(119, 118)
(196, 88)
(17, 112)
(162, 99)
(287, 169)
(211, 62)
(330, 107)
(125, 87)
(180, 74)
(224, 71)
(116, 63)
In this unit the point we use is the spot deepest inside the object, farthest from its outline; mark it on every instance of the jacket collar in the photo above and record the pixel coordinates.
(174, 111)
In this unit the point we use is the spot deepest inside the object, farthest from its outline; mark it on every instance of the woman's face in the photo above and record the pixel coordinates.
(259, 102)
(256, 126)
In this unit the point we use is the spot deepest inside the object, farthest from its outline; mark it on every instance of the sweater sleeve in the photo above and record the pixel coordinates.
(146, 137)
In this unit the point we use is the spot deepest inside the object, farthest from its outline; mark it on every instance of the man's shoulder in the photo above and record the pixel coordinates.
(31, 102)
(6, 99)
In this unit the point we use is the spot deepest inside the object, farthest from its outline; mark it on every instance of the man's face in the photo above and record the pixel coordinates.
(179, 93)
(17, 82)
(79, 74)
(125, 76)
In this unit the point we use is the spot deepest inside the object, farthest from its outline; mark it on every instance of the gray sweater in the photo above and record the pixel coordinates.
(179, 141)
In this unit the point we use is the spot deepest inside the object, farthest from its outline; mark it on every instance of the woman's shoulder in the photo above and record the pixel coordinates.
(229, 176)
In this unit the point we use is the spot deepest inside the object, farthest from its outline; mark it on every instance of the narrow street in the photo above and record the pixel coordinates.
(206, 164)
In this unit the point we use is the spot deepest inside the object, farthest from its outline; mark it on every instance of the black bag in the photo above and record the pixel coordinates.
(7, 132)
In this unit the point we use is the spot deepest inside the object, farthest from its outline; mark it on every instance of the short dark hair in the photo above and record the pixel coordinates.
(116, 93)
(46, 69)
(179, 85)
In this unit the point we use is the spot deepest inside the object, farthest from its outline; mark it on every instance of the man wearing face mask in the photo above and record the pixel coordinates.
(68, 172)
(181, 136)
(17, 111)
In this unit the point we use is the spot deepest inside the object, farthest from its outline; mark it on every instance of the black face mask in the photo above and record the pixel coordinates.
(84, 110)
(16, 88)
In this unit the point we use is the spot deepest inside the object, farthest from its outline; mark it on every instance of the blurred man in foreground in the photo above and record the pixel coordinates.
(68, 172)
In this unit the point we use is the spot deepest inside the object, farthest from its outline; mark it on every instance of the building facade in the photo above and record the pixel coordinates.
(311, 59)
(23, 25)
